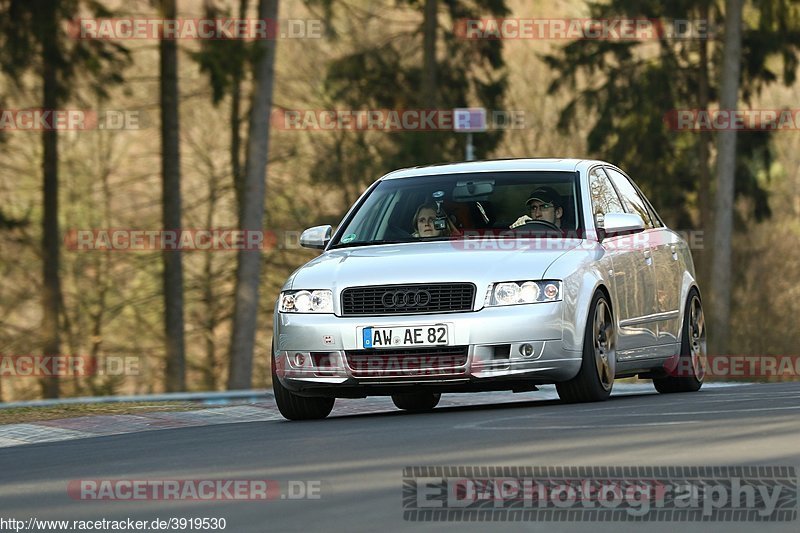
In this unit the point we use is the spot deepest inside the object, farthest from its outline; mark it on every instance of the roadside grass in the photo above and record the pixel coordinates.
(14, 415)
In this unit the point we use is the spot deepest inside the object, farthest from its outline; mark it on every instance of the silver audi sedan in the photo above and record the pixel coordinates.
(491, 275)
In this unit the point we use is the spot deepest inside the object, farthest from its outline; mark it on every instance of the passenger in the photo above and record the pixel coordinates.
(544, 204)
(423, 223)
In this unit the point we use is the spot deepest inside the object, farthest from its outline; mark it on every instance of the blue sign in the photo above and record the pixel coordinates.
(367, 336)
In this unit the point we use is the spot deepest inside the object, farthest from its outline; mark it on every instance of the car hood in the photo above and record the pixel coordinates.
(430, 262)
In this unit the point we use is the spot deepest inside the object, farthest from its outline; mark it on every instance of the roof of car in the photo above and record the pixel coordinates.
(493, 165)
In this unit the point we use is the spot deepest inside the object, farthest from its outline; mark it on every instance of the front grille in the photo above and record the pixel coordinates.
(450, 360)
(408, 299)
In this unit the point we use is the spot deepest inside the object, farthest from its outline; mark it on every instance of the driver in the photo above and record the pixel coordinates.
(544, 204)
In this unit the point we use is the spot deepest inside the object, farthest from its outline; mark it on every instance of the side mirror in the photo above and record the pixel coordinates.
(617, 223)
(316, 237)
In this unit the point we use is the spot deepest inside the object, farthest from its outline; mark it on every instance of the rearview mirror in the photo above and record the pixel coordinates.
(617, 223)
(473, 190)
(316, 237)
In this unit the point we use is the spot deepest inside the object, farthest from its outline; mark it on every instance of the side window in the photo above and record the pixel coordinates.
(634, 203)
(653, 215)
(604, 197)
(650, 209)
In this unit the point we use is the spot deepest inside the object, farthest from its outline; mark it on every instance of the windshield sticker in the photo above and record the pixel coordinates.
(350, 237)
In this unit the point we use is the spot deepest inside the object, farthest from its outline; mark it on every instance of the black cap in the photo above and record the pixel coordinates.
(546, 195)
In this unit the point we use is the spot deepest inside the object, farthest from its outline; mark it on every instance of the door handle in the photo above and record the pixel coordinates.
(674, 250)
(648, 257)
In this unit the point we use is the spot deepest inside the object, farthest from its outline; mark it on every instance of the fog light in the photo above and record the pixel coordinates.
(299, 359)
(526, 350)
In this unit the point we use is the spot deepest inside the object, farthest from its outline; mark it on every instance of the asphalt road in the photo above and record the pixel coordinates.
(357, 460)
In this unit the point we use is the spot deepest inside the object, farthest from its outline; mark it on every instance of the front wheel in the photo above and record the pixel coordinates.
(296, 407)
(416, 401)
(596, 376)
(690, 371)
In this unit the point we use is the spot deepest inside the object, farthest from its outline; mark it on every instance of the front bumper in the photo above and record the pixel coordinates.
(321, 354)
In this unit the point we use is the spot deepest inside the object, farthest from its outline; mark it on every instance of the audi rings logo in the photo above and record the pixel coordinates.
(406, 298)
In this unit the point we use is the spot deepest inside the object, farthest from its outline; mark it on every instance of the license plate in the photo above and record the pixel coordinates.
(402, 336)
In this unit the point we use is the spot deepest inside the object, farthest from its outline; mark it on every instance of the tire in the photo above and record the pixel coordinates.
(295, 407)
(416, 402)
(691, 367)
(595, 379)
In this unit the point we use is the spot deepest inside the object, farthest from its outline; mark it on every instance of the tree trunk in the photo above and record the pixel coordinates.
(726, 167)
(429, 66)
(248, 269)
(171, 191)
(210, 296)
(704, 202)
(51, 295)
(236, 122)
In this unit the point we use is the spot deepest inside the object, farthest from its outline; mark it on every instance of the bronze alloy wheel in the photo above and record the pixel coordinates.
(691, 368)
(603, 334)
(595, 379)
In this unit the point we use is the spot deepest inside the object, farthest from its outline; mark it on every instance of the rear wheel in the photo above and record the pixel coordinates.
(295, 407)
(596, 376)
(690, 371)
(416, 401)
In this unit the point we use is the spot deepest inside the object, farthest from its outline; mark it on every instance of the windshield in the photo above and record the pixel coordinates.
(455, 206)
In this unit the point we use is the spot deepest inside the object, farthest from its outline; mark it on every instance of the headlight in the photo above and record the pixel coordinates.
(522, 292)
(317, 301)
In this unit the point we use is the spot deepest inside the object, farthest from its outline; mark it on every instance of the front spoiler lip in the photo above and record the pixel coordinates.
(549, 370)
(386, 388)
